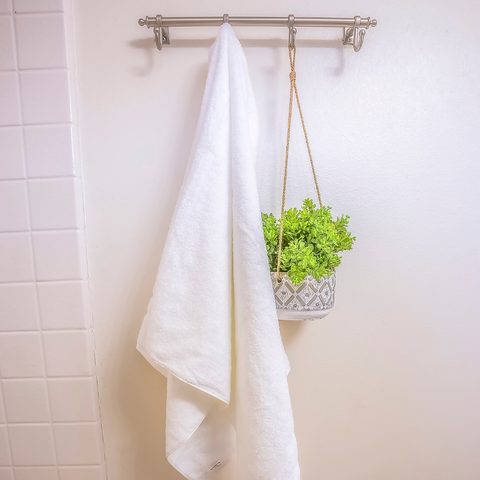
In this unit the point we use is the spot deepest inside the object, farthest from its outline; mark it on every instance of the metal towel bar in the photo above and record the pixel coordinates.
(354, 29)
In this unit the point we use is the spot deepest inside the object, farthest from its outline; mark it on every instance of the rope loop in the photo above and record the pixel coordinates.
(292, 54)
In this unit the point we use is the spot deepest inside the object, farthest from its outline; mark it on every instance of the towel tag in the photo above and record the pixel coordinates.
(214, 466)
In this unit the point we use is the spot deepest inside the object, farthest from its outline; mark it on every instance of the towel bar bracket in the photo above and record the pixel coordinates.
(354, 29)
(161, 32)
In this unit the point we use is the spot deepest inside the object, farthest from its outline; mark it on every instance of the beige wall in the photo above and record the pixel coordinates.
(387, 386)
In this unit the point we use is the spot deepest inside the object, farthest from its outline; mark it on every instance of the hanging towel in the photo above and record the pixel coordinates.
(211, 326)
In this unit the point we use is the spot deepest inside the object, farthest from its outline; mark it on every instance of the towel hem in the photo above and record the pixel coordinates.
(163, 369)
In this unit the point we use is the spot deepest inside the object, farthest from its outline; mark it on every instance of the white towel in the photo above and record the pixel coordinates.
(211, 325)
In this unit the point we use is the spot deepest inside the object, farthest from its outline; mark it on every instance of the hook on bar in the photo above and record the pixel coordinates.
(162, 34)
(292, 32)
(226, 18)
(355, 35)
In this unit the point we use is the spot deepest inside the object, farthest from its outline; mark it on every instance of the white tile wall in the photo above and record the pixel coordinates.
(9, 99)
(49, 417)
(6, 474)
(32, 444)
(80, 473)
(21, 355)
(36, 473)
(5, 6)
(66, 353)
(7, 56)
(49, 49)
(11, 153)
(73, 399)
(18, 307)
(26, 400)
(53, 203)
(62, 304)
(14, 211)
(2, 408)
(16, 259)
(39, 6)
(5, 458)
(49, 151)
(45, 96)
(59, 255)
(77, 443)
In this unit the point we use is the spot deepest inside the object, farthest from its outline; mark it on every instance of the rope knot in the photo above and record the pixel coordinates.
(293, 76)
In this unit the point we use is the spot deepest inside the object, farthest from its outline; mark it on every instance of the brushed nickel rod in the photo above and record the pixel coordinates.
(353, 28)
(257, 22)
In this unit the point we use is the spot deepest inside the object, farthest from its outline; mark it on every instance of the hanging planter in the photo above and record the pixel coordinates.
(302, 248)
(310, 299)
(303, 245)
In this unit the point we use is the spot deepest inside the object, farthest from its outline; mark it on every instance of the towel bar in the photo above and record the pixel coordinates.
(354, 29)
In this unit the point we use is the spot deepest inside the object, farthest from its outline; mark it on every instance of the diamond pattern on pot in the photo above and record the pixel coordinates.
(283, 292)
(309, 295)
(326, 295)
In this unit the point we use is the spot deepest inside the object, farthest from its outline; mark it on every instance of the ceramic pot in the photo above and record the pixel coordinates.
(309, 300)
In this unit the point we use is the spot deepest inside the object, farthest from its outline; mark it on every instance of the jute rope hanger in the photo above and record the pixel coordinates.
(292, 53)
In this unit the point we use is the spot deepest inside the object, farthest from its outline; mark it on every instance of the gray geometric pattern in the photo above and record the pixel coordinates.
(309, 295)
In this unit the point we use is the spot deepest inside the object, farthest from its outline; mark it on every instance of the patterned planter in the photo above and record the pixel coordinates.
(308, 300)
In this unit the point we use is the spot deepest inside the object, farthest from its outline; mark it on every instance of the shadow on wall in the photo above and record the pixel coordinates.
(148, 45)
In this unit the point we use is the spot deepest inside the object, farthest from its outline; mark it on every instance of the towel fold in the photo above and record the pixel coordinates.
(211, 326)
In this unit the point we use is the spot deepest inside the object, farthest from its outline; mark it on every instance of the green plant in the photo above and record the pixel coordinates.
(310, 243)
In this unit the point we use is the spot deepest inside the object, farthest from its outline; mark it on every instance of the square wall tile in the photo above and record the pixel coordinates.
(36, 6)
(2, 408)
(26, 401)
(59, 255)
(11, 153)
(9, 99)
(21, 355)
(18, 307)
(73, 399)
(49, 49)
(62, 305)
(13, 206)
(36, 473)
(45, 96)
(6, 6)
(68, 353)
(49, 151)
(53, 204)
(7, 48)
(78, 444)
(81, 473)
(16, 261)
(4, 447)
(6, 473)
(32, 444)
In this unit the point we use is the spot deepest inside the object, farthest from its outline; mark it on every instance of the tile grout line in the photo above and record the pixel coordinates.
(38, 179)
(24, 162)
(17, 76)
(30, 230)
(45, 330)
(37, 306)
(6, 427)
(63, 422)
(28, 282)
(82, 377)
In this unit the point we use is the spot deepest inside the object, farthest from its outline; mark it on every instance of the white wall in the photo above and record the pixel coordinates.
(387, 386)
(49, 418)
